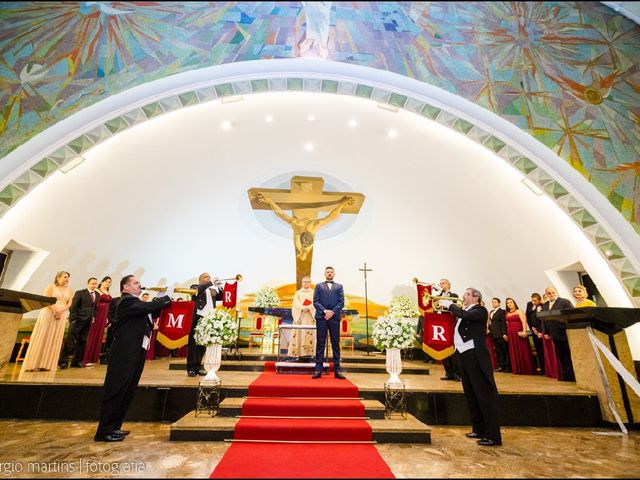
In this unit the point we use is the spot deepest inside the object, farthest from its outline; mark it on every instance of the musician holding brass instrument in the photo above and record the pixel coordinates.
(452, 370)
(205, 296)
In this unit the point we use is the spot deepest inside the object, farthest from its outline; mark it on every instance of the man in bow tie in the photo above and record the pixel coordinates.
(328, 299)
(81, 313)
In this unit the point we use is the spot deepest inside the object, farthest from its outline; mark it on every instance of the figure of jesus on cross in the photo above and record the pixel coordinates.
(305, 200)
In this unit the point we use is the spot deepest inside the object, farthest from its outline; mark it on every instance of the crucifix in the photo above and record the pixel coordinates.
(305, 200)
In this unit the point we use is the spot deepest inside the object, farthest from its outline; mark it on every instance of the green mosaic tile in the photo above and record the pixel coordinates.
(98, 134)
(224, 90)
(363, 91)
(80, 144)
(259, 86)
(188, 98)
(10, 195)
(613, 249)
(397, 100)
(597, 234)
(555, 190)
(495, 143)
(134, 117)
(624, 268)
(153, 110)
(525, 165)
(44, 167)
(27, 180)
(430, 111)
(116, 125)
(63, 155)
(633, 285)
(329, 86)
(462, 126)
(294, 84)
(170, 103)
(584, 218)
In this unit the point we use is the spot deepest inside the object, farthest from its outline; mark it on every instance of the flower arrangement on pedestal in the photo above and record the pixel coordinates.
(402, 307)
(267, 297)
(216, 328)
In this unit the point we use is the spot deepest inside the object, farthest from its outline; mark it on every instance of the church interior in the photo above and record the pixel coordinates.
(493, 145)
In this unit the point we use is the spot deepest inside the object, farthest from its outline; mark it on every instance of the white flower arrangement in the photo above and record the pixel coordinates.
(393, 332)
(266, 297)
(402, 307)
(218, 326)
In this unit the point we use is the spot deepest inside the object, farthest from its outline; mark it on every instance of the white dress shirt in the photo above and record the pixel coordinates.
(460, 345)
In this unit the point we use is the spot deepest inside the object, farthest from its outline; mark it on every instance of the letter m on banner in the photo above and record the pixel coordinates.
(175, 324)
(437, 328)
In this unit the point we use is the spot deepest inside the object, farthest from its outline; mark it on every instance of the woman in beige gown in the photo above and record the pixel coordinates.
(303, 341)
(48, 332)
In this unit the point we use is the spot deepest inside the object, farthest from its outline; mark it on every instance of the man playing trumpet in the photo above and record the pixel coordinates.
(205, 301)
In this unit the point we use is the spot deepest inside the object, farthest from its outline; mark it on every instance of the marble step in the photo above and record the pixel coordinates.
(232, 407)
(219, 428)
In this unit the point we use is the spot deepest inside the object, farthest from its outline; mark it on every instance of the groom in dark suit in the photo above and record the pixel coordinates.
(328, 299)
(81, 313)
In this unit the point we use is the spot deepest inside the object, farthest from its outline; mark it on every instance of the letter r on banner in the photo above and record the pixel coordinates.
(438, 333)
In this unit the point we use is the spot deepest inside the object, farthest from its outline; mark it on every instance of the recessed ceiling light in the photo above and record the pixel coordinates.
(392, 133)
(608, 253)
(353, 123)
(232, 99)
(226, 125)
(311, 118)
(268, 118)
(308, 147)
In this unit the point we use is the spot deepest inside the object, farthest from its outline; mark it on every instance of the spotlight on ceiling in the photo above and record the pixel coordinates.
(311, 118)
(67, 167)
(226, 125)
(308, 147)
(388, 108)
(232, 99)
(392, 133)
(353, 123)
(268, 118)
(532, 186)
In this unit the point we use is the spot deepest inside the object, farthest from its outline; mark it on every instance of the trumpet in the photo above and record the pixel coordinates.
(237, 278)
(418, 282)
(187, 291)
(435, 302)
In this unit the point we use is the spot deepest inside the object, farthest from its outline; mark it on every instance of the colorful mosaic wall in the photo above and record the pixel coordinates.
(567, 73)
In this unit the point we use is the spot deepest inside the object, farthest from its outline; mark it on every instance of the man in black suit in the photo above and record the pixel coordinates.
(451, 363)
(328, 298)
(498, 331)
(535, 325)
(205, 301)
(131, 339)
(558, 333)
(477, 375)
(81, 313)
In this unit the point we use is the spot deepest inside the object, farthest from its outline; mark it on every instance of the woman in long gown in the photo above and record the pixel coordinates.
(96, 332)
(520, 352)
(46, 339)
(303, 341)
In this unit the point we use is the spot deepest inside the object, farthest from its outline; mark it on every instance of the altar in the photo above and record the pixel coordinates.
(278, 331)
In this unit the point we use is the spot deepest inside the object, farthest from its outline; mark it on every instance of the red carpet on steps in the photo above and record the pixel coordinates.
(301, 396)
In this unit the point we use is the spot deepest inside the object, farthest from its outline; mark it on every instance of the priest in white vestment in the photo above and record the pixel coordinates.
(303, 341)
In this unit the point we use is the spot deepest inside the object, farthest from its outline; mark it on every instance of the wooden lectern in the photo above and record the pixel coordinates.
(13, 305)
(608, 326)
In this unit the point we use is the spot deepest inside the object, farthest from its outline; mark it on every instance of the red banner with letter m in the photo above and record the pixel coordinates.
(175, 324)
(437, 328)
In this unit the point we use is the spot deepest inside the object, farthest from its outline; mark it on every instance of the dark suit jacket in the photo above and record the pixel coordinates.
(474, 326)
(532, 319)
(556, 330)
(82, 309)
(132, 319)
(498, 326)
(201, 298)
(325, 299)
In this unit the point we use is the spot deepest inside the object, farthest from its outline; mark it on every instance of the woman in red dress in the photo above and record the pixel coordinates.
(96, 332)
(519, 346)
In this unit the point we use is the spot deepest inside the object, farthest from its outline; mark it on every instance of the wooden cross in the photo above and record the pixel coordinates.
(305, 200)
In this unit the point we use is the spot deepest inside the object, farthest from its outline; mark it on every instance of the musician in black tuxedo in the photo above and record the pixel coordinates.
(131, 340)
(535, 325)
(477, 374)
(498, 331)
(81, 313)
(451, 363)
(328, 298)
(558, 333)
(205, 301)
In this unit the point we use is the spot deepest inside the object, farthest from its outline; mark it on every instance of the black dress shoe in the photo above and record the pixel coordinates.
(499, 369)
(62, 366)
(339, 375)
(192, 373)
(202, 371)
(446, 377)
(472, 435)
(316, 374)
(109, 438)
(78, 365)
(122, 433)
(486, 442)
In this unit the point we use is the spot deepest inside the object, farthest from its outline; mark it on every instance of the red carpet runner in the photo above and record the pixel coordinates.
(295, 416)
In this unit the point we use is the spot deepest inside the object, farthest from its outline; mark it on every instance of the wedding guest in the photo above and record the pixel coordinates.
(520, 353)
(499, 338)
(151, 353)
(303, 341)
(535, 325)
(81, 314)
(557, 331)
(48, 332)
(580, 294)
(96, 332)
